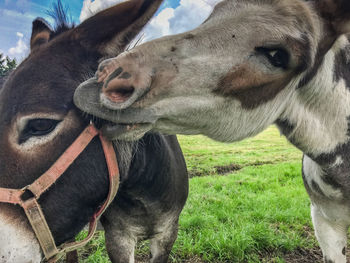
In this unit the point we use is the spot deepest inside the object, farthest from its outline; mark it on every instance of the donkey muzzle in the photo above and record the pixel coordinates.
(122, 82)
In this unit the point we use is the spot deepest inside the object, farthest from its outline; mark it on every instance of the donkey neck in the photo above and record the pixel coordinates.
(316, 119)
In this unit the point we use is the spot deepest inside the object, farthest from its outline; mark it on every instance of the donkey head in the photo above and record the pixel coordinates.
(229, 78)
(38, 121)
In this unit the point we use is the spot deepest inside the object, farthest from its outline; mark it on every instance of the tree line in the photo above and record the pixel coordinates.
(6, 65)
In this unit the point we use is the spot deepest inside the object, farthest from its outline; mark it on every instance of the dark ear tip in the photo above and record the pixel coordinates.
(40, 23)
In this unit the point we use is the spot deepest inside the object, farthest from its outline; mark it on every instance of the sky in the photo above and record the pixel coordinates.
(16, 16)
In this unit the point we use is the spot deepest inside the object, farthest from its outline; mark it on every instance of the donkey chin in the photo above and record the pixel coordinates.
(18, 243)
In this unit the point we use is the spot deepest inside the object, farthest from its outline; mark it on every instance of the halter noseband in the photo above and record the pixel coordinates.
(43, 183)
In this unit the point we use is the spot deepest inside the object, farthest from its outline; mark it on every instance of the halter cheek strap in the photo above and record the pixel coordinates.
(43, 183)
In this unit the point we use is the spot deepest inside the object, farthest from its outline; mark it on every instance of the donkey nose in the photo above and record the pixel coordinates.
(118, 89)
(123, 83)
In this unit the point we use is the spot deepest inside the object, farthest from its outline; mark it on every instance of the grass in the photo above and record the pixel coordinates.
(247, 203)
(203, 155)
(241, 216)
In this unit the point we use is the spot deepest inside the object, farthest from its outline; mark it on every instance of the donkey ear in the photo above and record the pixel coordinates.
(337, 13)
(40, 33)
(111, 30)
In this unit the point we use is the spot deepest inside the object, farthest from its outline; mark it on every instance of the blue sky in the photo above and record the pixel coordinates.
(16, 17)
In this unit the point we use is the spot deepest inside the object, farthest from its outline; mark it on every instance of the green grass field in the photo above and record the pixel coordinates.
(247, 203)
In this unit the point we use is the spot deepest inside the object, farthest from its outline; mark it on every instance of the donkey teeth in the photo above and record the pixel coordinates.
(132, 127)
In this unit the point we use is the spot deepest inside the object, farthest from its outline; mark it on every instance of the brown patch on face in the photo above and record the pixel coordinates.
(301, 49)
(252, 88)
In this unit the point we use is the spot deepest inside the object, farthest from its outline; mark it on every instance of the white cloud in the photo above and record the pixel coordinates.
(15, 14)
(159, 25)
(92, 7)
(20, 49)
(212, 2)
(19, 34)
(188, 15)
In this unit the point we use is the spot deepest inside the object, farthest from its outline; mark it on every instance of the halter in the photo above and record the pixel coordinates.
(43, 183)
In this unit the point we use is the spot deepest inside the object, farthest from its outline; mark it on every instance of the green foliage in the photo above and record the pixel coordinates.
(6, 65)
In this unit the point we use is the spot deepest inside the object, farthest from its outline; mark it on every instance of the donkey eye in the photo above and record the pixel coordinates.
(278, 57)
(38, 127)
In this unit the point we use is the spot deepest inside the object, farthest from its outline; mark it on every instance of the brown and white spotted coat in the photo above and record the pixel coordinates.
(251, 64)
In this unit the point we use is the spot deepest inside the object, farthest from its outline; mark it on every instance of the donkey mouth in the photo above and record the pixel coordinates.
(119, 131)
(127, 124)
(87, 99)
(125, 131)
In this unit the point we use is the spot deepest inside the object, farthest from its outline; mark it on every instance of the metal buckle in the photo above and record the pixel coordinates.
(27, 194)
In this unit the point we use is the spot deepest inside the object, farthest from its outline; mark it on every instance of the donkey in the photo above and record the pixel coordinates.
(251, 64)
(38, 121)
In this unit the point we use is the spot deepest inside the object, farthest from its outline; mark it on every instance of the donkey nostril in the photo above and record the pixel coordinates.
(121, 94)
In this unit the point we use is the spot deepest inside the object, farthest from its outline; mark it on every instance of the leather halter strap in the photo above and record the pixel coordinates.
(44, 182)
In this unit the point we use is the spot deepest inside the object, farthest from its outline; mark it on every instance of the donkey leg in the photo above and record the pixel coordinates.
(72, 257)
(162, 244)
(120, 247)
(331, 235)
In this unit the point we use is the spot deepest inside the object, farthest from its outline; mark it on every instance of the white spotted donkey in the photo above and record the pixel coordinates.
(251, 64)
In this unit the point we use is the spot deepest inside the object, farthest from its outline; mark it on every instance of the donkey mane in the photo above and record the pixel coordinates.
(62, 18)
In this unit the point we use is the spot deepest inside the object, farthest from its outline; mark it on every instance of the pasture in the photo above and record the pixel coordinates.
(247, 203)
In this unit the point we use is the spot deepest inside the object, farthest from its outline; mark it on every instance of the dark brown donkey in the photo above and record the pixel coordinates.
(38, 121)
